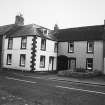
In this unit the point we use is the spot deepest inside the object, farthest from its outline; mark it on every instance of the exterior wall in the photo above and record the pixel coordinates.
(47, 53)
(80, 53)
(16, 51)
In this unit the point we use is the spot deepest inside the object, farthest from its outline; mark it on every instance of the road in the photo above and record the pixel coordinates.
(47, 91)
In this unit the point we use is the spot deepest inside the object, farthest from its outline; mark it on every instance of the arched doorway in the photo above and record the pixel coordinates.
(62, 62)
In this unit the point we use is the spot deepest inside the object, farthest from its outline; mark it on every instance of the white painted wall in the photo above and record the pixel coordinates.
(49, 52)
(80, 53)
(16, 51)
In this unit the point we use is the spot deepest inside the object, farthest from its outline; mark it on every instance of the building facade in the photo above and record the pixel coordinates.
(29, 48)
(36, 48)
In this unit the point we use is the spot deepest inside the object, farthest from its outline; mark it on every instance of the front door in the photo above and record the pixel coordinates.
(71, 63)
(51, 62)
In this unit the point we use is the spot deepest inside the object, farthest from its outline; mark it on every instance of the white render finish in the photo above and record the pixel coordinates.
(47, 53)
(80, 53)
(16, 51)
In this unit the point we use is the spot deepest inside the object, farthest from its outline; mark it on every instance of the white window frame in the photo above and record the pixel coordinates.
(42, 61)
(10, 43)
(43, 44)
(88, 63)
(9, 59)
(22, 57)
(56, 47)
(71, 49)
(23, 42)
(90, 47)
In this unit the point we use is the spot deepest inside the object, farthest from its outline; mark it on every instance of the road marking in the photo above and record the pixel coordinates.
(60, 80)
(58, 86)
(89, 91)
(20, 80)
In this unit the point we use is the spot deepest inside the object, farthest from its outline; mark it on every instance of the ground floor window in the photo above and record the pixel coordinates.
(22, 60)
(89, 63)
(9, 59)
(42, 61)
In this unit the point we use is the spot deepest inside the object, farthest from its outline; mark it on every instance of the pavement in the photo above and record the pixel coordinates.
(98, 80)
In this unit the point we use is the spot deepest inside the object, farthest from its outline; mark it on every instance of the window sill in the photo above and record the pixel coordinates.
(43, 49)
(23, 48)
(8, 64)
(22, 65)
(71, 52)
(9, 48)
(90, 52)
(42, 66)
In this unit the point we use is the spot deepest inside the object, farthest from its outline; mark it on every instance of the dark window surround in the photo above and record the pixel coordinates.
(40, 62)
(20, 59)
(69, 47)
(22, 42)
(43, 49)
(9, 39)
(87, 62)
(88, 45)
(7, 59)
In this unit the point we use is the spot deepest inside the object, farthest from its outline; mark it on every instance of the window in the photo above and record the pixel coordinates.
(70, 47)
(42, 61)
(40, 30)
(90, 47)
(43, 44)
(55, 47)
(89, 63)
(23, 42)
(22, 60)
(9, 59)
(45, 31)
(10, 43)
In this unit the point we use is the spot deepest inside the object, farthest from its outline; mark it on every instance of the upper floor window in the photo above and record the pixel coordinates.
(45, 31)
(43, 44)
(10, 43)
(55, 47)
(23, 42)
(70, 47)
(22, 60)
(9, 59)
(89, 63)
(42, 61)
(90, 47)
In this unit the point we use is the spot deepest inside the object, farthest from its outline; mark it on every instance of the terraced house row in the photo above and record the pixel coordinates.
(36, 48)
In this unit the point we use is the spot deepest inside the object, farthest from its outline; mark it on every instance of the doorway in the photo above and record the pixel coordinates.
(71, 63)
(51, 63)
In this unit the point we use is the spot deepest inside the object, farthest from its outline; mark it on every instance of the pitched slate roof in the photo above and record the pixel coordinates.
(81, 33)
(5, 28)
(70, 34)
(14, 30)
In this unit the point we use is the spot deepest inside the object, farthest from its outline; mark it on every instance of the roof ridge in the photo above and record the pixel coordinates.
(83, 27)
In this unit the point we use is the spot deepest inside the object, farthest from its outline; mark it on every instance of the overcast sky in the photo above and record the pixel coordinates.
(65, 13)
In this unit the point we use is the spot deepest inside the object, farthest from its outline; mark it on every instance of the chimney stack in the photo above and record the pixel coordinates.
(56, 28)
(19, 20)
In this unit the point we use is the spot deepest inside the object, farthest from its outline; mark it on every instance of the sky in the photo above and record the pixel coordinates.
(47, 13)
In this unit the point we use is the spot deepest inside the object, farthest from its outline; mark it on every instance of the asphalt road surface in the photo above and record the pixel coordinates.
(47, 91)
